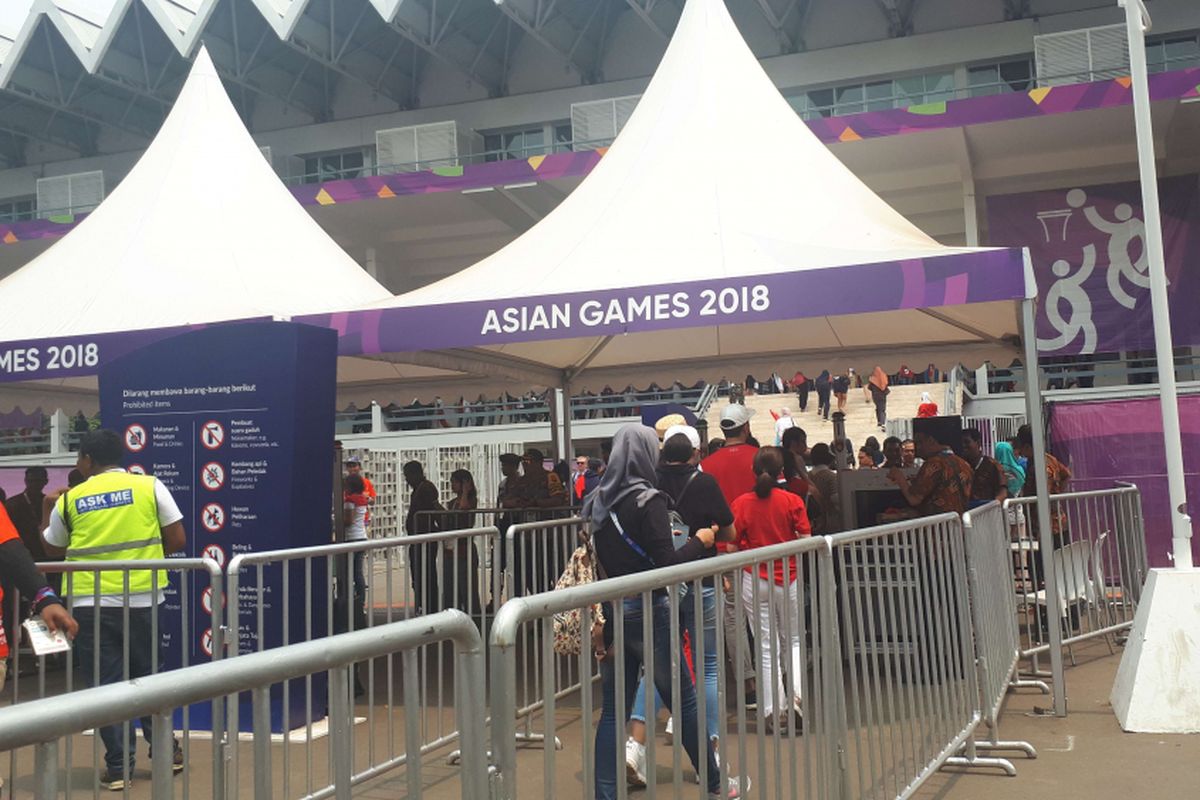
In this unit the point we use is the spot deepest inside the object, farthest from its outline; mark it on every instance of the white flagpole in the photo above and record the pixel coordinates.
(1137, 21)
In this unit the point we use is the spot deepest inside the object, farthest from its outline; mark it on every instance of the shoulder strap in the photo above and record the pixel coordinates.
(629, 540)
(687, 483)
(66, 517)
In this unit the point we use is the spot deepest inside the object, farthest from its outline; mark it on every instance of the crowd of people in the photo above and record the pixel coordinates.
(728, 494)
(742, 496)
(533, 406)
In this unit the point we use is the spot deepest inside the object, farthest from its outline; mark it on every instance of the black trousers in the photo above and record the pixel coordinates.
(823, 402)
(423, 570)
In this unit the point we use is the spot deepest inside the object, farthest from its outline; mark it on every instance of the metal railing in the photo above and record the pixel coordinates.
(659, 633)
(1099, 562)
(501, 518)
(536, 553)
(44, 722)
(905, 703)
(1084, 372)
(460, 160)
(27, 441)
(994, 615)
(351, 585)
(901, 99)
(911, 697)
(127, 638)
(994, 430)
(525, 409)
(879, 655)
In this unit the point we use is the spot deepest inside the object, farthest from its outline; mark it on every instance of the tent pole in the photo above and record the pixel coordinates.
(566, 421)
(1033, 413)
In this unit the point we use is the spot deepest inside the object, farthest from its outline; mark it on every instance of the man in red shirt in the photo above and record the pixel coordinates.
(733, 464)
(733, 468)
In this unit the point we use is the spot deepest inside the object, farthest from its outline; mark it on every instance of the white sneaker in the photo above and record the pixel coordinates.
(716, 756)
(670, 729)
(635, 762)
(734, 789)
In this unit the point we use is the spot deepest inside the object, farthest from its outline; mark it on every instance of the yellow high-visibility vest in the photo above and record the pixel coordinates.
(113, 516)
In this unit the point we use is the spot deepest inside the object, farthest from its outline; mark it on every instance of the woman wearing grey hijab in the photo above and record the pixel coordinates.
(631, 532)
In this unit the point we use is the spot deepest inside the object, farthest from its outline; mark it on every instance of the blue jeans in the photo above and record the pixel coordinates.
(610, 740)
(708, 595)
(109, 647)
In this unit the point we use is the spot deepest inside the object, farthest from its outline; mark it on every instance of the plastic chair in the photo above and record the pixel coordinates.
(1100, 588)
(1075, 586)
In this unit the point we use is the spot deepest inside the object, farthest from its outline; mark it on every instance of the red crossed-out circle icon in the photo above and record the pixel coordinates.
(136, 438)
(212, 434)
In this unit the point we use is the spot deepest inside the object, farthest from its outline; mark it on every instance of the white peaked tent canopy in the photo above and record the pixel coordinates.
(200, 231)
(714, 187)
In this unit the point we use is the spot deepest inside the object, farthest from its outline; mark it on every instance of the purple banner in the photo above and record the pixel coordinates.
(73, 356)
(1089, 257)
(28, 230)
(917, 283)
(1037, 102)
(1122, 440)
(451, 179)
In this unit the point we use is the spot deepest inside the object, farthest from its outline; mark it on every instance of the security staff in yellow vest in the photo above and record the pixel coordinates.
(115, 516)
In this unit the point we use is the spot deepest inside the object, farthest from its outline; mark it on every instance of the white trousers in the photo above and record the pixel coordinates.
(778, 617)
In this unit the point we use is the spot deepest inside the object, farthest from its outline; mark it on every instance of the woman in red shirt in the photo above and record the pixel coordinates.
(927, 408)
(772, 515)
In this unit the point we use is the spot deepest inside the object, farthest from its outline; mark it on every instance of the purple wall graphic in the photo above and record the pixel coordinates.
(1088, 251)
(1122, 440)
(868, 125)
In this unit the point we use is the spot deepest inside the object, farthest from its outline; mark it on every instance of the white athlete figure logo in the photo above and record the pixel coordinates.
(1069, 288)
(1122, 233)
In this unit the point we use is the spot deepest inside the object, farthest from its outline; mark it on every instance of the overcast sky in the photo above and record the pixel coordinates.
(13, 12)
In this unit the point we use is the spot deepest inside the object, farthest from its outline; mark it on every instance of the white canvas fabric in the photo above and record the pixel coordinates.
(201, 230)
(714, 175)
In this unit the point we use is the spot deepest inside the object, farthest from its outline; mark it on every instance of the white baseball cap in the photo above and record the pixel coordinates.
(688, 431)
(735, 416)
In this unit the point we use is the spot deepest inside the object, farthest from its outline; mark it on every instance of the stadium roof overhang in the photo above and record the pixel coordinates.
(77, 72)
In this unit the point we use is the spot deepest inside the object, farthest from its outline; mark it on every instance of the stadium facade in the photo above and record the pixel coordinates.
(425, 135)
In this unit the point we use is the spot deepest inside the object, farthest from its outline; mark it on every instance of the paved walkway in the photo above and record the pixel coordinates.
(1085, 755)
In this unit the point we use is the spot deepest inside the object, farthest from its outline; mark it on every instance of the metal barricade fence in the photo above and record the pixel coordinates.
(536, 554)
(994, 614)
(905, 702)
(492, 560)
(769, 754)
(119, 643)
(449, 519)
(911, 698)
(1099, 561)
(352, 586)
(43, 723)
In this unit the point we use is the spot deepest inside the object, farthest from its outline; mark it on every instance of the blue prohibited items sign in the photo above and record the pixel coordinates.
(238, 426)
